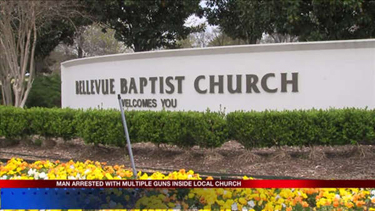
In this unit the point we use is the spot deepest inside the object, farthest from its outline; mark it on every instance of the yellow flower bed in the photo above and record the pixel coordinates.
(90, 170)
(199, 198)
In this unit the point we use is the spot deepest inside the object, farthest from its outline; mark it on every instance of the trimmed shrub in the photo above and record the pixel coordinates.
(216, 130)
(146, 126)
(13, 122)
(52, 123)
(184, 129)
(188, 129)
(302, 127)
(100, 127)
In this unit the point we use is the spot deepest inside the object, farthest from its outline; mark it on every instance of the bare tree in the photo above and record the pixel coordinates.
(278, 38)
(199, 39)
(202, 39)
(6, 90)
(19, 25)
(94, 42)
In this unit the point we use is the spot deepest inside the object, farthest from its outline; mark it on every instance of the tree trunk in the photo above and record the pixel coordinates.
(17, 95)
(2, 95)
(80, 42)
(6, 92)
(25, 93)
(80, 52)
(137, 47)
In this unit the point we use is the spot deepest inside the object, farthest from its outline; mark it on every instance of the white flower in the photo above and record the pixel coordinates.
(31, 172)
(234, 206)
(373, 192)
(277, 196)
(178, 206)
(87, 171)
(72, 166)
(42, 175)
(251, 203)
(4, 177)
(244, 209)
(338, 196)
(36, 175)
(283, 205)
(71, 177)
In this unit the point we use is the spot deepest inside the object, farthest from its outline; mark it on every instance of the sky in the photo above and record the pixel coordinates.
(194, 20)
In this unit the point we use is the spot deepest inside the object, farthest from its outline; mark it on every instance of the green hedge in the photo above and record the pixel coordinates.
(184, 129)
(13, 122)
(51, 123)
(302, 127)
(187, 129)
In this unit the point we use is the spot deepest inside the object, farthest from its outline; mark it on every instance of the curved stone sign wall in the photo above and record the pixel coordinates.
(253, 77)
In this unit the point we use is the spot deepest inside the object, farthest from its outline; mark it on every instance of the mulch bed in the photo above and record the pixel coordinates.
(339, 162)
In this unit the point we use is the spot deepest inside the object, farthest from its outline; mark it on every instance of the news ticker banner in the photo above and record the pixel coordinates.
(72, 198)
(128, 194)
(187, 183)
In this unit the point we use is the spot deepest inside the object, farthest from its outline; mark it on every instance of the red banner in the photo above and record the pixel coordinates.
(187, 183)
